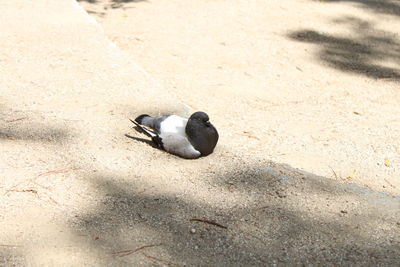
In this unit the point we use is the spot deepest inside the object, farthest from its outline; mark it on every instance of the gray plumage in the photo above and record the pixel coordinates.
(187, 138)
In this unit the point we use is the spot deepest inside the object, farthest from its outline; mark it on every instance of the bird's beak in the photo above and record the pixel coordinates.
(208, 123)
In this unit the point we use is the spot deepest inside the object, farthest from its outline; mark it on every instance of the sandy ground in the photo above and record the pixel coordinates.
(318, 90)
(305, 95)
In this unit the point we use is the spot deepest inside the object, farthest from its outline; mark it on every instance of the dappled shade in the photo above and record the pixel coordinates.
(389, 7)
(366, 53)
(275, 228)
(113, 3)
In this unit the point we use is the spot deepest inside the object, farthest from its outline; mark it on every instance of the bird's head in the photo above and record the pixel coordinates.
(201, 116)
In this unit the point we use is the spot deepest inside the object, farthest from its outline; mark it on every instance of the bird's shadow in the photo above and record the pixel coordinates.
(143, 140)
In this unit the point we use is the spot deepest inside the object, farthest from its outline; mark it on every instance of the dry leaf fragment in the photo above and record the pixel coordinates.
(250, 135)
(351, 176)
(387, 162)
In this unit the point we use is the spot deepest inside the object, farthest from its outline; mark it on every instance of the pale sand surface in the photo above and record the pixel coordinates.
(305, 95)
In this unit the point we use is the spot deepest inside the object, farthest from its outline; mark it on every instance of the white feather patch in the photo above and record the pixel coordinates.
(174, 137)
(174, 125)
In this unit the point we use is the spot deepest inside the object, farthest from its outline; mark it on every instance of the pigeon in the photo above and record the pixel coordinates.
(188, 138)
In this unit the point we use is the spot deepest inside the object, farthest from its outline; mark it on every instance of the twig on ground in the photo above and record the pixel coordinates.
(131, 251)
(9, 138)
(334, 173)
(209, 222)
(33, 191)
(52, 199)
(336, 176)
(33, 181)
(19, 119)
(248, 134)
(42, 186)
(159, 260)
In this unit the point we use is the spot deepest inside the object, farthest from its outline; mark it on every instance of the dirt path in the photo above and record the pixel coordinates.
(311, 84)
(305, 95)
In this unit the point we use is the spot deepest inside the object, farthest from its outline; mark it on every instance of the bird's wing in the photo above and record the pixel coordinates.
(174, 125)
(179, 145)
(152, 122)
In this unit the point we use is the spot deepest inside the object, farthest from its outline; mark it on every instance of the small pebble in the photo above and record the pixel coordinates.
(247, 218)
(193, 230)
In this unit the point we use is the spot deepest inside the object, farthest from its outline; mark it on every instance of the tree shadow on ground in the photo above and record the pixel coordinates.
(35, 133)
(26, 126)
(280, 215)
(11, 256)
(113, 3)
(370, 52)
(283, 216)
(388, 7)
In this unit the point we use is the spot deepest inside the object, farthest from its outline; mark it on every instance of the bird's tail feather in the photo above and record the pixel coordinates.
(139, 119)
(154, 137)
(144, 130)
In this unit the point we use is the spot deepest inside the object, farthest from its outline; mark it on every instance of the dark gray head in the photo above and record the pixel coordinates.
(201, 133)
(199, 115)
